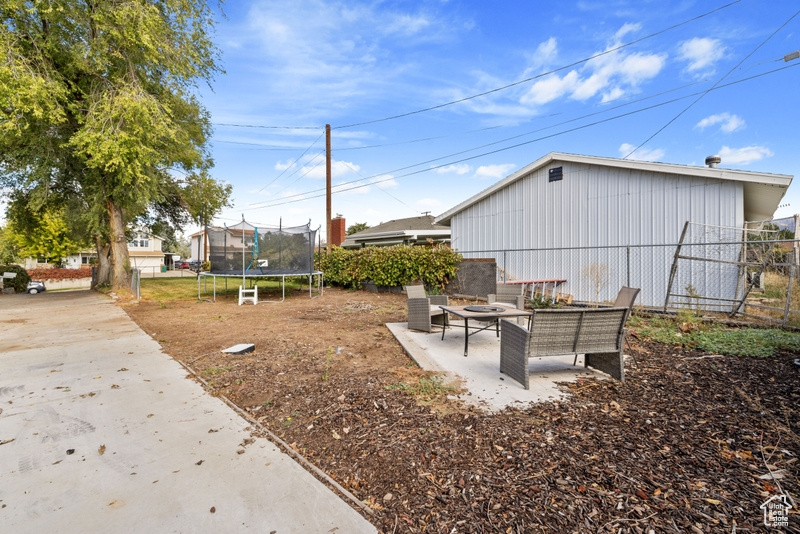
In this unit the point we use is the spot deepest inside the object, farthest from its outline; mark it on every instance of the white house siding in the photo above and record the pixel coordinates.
(597, 206)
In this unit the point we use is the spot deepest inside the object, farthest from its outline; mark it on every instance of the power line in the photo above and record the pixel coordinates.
(526, 80)
(293, 163)
(379, 188)
(704, 93)
(317, 155)
(294, 198)
(262, 147)
(267, 127)
(497, 89)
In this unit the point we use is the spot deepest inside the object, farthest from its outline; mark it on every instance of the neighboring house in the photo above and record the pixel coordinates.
(584, 203)
(144, 252)
(197, 247)
(412, 231)
(84, 258)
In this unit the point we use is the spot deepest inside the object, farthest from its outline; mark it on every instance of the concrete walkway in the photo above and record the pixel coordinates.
(102, 432)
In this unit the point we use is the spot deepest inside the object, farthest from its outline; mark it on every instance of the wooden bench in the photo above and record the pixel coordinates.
(598, 333)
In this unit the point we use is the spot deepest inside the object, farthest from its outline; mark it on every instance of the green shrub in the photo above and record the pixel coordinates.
(390, 266)
(19, 282)
(717, 339)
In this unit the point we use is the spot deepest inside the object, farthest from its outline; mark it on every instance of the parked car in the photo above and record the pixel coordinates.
(183, 265)
(35, 286)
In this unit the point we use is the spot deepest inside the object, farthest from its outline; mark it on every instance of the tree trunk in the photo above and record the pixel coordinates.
(103, 273)
(120, 263)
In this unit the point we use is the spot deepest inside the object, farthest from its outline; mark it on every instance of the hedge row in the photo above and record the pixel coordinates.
(389, 266)
(19, 282)
(60, 274)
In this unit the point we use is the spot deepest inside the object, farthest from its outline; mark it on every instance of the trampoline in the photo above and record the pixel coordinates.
(249, 253)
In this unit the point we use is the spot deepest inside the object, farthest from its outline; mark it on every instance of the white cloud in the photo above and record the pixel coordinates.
(744, 155)
(545, 54)
(313, 166)
(454, 169)
(494, 171)
(643, 154)
(551, 88)
(294, 51)
(627, 28)
(701, 53)
(610, 75)
(729, 123)
(384, 181)
(407, 25)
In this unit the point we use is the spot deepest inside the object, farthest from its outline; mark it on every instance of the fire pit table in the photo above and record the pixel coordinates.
(489, 314)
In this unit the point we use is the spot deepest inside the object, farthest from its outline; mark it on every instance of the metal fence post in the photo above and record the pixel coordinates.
(628, 266)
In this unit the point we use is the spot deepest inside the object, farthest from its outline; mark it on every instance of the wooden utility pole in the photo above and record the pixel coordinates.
(328, 226)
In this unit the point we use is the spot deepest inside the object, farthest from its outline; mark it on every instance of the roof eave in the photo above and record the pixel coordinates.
(759, 208)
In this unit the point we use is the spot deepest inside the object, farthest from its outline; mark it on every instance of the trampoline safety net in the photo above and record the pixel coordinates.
(250, 250)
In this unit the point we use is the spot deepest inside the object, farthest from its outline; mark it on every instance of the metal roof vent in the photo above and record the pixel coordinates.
(713, 161)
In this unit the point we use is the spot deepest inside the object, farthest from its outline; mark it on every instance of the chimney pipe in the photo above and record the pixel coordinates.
(713, 161)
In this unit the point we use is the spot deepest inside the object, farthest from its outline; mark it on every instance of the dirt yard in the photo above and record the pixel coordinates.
(690, 443)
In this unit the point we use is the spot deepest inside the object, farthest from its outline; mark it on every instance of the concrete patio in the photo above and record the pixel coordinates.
(479, 373)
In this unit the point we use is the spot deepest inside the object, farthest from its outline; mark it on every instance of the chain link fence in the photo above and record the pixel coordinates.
(591, 275)
(733, 271)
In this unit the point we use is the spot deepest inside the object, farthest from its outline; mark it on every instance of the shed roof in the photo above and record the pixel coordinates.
(762, 191)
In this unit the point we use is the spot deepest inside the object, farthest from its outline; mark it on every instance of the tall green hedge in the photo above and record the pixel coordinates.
(19, 282)
(390, 266)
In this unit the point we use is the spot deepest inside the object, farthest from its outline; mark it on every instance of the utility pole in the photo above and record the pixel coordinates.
(328, 226)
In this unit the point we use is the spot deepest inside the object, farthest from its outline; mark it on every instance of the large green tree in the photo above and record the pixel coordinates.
(97, 105)
(50, 238)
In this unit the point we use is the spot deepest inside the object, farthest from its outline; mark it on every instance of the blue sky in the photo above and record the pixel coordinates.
(399, 82)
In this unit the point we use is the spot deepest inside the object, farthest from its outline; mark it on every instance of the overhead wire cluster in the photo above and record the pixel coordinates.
(486, 149)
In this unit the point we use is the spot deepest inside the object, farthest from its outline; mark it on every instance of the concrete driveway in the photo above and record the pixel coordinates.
(102, 432)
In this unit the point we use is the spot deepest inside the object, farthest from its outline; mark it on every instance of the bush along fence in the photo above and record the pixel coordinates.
(393, 266)
(14, 278)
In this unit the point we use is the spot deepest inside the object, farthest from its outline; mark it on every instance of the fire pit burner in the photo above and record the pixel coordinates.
(484, 309)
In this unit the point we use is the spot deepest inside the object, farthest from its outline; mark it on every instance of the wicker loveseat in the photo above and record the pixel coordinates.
(598, 333)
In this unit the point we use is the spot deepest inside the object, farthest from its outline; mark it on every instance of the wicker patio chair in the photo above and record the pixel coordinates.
(625, 299)
(424, 310)
(508, 295)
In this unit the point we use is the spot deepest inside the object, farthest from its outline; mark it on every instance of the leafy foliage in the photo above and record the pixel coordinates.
(718, 339)
(19, 282)
(9, 250)
(49, 238)
(357, 227)
(97, 105)
(390, 266)
(540, 301)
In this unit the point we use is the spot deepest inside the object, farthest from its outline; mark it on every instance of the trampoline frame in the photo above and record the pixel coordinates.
(311, 276)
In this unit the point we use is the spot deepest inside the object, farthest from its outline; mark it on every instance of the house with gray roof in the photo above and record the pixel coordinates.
(411, 231)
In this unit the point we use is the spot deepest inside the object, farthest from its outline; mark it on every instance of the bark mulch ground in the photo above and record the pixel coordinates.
(692, 442)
